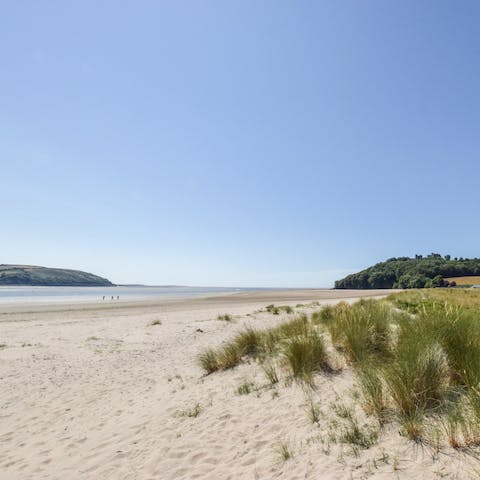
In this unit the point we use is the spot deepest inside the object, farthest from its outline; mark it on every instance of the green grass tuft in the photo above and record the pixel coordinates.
(245, 388)
(284, 451)
(229, 356)
(271, 373)
(361, 330)
(373, 391)
(313, 411)
(272, 309)
(417, 377)
(208, 361)
(353, 434)
(305, 355)
(193, 412)
(249, 341)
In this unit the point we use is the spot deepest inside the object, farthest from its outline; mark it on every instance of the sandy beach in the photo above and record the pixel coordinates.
(113, 391)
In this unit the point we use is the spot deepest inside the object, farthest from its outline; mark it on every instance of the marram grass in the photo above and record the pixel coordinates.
(416, 356)
(297, 342)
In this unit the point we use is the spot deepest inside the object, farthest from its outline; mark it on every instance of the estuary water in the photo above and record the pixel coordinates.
(13, 294)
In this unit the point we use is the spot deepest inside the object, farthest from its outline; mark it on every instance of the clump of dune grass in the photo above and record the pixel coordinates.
(272, 309)
(296, 341)
(249, 341)
(463, 421)
(334, 322)
(349, 431)
(306, 354)
(155, 322)
(245, 388)
(275, 338)
(208, 361)
(417, 377)
(224, 358)
(313, 411)
(342, 410)
(357, 436)
(192, 412)
(373, 391)
(271, 373)
(284, 450)
(359, 330)
(275, 310)
(452, 425)
(323, 316)
(431, 375)
(458, 332)
(229, 356)
(294, 327)
(226, 317)
(413, 365)
(412, 425)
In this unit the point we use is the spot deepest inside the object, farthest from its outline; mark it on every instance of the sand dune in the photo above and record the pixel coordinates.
(98, 392)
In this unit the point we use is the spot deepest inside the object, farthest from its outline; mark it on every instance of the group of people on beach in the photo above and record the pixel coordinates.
(118, 297)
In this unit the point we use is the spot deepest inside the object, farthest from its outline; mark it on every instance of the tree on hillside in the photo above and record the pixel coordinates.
(438, 281)
(405, 272)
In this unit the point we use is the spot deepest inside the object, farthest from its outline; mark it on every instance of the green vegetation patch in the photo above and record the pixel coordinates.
(297, 345)
(415, 355)
(42, 276)
(418, 272)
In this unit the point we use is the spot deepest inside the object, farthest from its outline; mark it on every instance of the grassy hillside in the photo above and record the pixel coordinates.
(42, 276)
(417, 272)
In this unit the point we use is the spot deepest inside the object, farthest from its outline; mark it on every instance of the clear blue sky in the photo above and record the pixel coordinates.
(269, 143)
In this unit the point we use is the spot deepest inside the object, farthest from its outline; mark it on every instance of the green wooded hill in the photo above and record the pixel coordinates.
(49, 277)
(418, 272)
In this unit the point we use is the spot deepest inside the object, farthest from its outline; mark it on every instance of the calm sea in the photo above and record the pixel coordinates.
(92, 294)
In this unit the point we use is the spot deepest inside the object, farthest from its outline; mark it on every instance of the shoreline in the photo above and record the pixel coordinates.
(225, 299)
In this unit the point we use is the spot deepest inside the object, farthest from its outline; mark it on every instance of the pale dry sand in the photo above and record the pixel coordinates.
(96, 392)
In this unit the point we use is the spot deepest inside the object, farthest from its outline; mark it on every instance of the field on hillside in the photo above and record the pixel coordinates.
(464, 298)
(474, 280)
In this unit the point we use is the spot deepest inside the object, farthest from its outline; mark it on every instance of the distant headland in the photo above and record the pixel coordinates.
(427, 271)
(32, 275)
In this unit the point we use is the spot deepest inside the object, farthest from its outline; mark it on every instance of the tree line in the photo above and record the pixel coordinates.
(417, 272)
